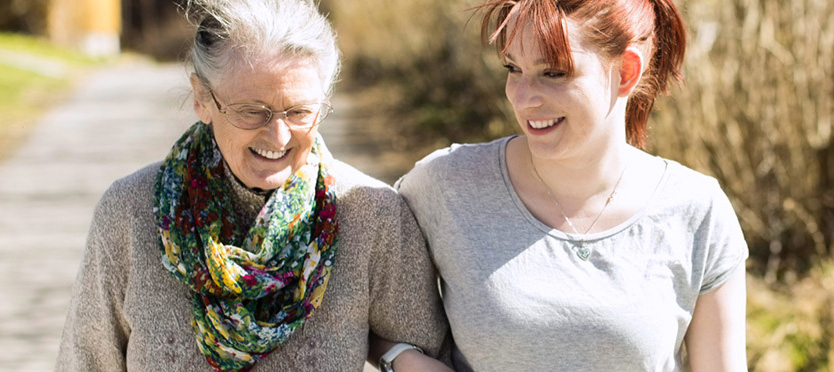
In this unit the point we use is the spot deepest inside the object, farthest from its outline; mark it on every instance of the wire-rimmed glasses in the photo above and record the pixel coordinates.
(250, 116)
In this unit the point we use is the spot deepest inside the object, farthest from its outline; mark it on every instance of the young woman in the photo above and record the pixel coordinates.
(568, 248)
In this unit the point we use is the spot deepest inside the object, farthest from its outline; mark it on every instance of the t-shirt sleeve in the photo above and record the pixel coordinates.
(422, 190)
(726, 248)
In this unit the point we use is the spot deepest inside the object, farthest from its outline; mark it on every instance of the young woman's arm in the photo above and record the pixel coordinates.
(716, 339)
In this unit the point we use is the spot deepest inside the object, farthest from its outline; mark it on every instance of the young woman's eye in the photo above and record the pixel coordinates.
(510, 68)
(555, 74)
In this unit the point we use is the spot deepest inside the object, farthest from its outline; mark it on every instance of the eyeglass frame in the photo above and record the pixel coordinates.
(324, 107)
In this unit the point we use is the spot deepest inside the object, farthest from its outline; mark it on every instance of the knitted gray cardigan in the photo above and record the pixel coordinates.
(129, 314)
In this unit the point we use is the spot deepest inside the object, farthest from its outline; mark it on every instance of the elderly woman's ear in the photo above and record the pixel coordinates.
(200, 94)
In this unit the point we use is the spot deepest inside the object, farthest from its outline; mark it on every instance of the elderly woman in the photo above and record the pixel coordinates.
(249, 246)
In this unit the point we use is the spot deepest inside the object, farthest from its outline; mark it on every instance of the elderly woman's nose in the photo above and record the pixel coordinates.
(279, 128)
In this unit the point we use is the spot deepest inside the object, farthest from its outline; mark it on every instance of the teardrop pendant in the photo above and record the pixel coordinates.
(583, 252)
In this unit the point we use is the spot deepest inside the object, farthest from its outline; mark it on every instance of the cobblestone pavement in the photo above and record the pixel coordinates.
(120, 118)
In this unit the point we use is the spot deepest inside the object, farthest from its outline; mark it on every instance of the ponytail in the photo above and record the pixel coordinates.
(669, 39)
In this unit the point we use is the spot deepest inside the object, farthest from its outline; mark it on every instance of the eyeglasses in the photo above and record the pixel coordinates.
(249, 116)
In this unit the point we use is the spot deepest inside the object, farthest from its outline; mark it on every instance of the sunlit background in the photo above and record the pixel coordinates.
(756, 112)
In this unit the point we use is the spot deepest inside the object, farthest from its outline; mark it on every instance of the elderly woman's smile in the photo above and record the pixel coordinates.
(271, 155)
(265, 157)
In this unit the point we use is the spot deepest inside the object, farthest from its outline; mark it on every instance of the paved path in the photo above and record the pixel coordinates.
(121, 118)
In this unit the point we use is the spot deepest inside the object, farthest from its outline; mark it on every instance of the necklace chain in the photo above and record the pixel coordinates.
(583, 252)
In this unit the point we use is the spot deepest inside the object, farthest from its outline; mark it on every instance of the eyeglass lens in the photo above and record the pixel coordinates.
(248, 116)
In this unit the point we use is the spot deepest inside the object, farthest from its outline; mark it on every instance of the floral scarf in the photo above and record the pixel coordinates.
(250, 289)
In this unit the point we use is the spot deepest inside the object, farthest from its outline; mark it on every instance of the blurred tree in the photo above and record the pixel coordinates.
(154, 27)
(24, 16)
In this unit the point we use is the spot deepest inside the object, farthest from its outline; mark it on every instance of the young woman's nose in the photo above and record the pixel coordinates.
(524, 92)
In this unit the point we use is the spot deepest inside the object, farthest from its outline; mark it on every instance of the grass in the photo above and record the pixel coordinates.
(34, 75)
(790, 327)
(42, 48)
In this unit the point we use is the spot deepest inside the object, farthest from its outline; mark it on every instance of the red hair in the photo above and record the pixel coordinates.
(653, 26)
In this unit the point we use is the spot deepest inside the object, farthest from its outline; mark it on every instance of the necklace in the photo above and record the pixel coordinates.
(581, 250)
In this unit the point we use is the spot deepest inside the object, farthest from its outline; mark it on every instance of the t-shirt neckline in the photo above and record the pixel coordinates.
(556, 233)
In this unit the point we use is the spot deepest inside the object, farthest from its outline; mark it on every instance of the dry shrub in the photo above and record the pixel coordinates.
(756, 112)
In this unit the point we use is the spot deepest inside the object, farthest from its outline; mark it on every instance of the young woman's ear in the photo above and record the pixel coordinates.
(631, 70)
(199, 91)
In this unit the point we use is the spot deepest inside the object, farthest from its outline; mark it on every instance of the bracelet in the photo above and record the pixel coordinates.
(386, 362)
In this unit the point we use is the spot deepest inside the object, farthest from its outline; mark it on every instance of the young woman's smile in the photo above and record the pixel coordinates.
(540, 127)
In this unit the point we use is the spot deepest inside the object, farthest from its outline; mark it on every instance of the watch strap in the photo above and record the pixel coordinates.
(386, 362)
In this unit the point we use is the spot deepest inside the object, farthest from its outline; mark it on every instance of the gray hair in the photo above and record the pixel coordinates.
(235, 31)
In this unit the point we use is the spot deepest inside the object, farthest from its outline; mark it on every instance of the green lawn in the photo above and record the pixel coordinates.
(42, 48)
(34, 74)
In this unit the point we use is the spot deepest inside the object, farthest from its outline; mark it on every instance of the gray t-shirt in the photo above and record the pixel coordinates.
(520, 299)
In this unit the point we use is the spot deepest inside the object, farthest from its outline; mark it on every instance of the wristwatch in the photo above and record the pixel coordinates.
(386, 362)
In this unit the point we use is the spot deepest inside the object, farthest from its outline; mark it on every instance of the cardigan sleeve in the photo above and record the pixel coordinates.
(96, 333)
(405, 302)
